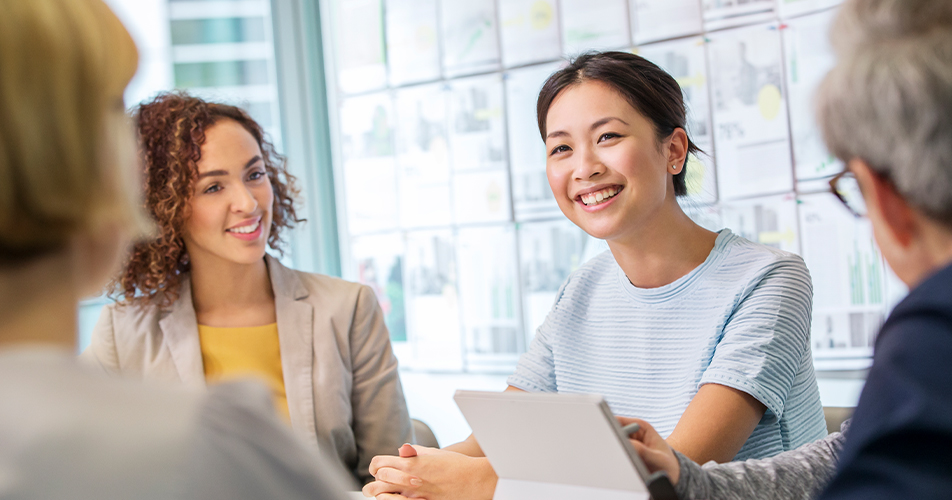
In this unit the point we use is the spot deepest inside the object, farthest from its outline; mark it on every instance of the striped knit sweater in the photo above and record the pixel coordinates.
(741, 319)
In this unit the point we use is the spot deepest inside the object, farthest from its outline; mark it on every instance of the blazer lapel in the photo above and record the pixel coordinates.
(295, 336)
(180, 331)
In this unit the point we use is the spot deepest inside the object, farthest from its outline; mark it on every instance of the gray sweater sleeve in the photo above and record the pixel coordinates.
(799, 474)
(241, 450)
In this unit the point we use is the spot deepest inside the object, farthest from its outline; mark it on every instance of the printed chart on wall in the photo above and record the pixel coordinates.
(531, 196)
(379, 261)
(770, 220)
(550, 252)
(423, 156)
(588, 25)
(361, 62)
(432, 302)
(686, 61)
(848, 282)
(478, 150)
(654, 20)
(530, 31)
(370, 177)
(489, 293)
(412, 41)
(809, 58)
(750, 116)
(727, 13)
(470, 41)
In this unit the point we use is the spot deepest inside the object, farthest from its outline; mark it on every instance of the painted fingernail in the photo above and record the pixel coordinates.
(416, 482)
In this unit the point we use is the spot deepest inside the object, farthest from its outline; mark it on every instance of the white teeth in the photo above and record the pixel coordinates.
(599, 196)
(245, 229)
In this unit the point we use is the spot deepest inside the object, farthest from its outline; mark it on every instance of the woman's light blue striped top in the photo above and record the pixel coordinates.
(741, 319)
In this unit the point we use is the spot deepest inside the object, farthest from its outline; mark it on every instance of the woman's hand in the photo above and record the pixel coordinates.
(430, 473)
(653, 449)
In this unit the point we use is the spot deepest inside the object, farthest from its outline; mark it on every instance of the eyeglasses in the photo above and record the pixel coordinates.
(846, 189)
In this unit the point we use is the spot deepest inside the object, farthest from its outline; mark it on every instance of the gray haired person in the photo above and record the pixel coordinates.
(885, 110)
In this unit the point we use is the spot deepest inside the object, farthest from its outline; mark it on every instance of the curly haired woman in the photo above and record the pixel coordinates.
(203, 301)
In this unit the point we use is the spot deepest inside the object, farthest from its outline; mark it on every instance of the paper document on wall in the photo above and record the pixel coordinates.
(481, 196)
(413, 50)
(379, 262)
(686, 61)
(433, 315)
(469, 38)
(791, 8)
(588, 25)
(530, 31)
(360, 56)
(370, 172)
(531, 196)
(809, 58)
(720, 14)
(848, 279)
(750, 114)
(477, 123)
(768, 220)
(550, 251)
(654, 20)
(423, 156)
(489, 293)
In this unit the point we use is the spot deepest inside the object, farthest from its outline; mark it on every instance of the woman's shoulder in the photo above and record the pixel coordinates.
(327, 290)
(739, 252)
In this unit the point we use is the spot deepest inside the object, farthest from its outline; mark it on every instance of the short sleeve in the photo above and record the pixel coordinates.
(535, 371)
(766, 336)
(241, 450)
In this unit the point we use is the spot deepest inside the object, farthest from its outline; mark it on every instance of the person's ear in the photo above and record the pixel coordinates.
(96, 256)
(886, 207)
(677, 150)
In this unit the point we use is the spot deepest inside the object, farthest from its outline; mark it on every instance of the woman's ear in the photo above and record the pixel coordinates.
(677, 150)
(889, 212)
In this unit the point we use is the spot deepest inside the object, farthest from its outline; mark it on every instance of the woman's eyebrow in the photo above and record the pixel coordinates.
(252, 162)
(605, 120)
(598, 123)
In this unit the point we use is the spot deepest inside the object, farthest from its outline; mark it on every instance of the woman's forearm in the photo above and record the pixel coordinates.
(799, 474)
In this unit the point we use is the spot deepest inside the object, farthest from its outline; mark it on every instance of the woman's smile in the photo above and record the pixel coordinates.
(248, 230)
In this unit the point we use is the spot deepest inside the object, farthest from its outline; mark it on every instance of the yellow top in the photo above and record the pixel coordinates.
(230, 353)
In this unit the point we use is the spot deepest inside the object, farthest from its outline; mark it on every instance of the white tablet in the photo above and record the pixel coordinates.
(557, 446)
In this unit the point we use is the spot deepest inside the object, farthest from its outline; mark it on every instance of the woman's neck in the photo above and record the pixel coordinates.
(226, 294)
(38, 305)
(660, 252)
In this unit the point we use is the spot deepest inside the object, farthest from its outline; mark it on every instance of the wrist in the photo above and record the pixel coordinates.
(486, 478)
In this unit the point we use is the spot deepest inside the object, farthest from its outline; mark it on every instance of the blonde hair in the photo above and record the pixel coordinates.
(67, 149)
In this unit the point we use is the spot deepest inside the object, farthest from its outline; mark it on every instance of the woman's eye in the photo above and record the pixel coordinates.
(607, 136)
(214, 188)
(254, 176)
(559, 149)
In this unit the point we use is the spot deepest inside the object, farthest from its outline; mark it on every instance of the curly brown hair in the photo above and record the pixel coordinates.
(171, 131)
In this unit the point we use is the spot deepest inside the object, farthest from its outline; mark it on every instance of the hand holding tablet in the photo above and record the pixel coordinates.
(558, 446)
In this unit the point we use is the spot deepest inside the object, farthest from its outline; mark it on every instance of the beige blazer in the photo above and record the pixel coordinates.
(340, 374)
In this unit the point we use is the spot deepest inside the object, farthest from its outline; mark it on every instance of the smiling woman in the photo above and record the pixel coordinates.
(704, 335)
(203, 302)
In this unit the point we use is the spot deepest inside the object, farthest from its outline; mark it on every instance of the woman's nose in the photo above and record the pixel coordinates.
(244, 200)
(589, 165)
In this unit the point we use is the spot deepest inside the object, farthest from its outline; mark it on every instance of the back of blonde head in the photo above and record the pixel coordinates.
(66, 149)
